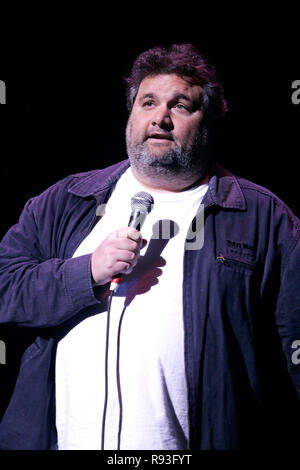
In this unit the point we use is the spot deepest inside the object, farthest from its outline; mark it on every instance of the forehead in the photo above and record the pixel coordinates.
(165, 85)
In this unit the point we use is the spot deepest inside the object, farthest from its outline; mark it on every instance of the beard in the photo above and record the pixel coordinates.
(183, 161)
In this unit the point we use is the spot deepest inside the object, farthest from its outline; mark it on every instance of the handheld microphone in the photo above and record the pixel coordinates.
(141, 205)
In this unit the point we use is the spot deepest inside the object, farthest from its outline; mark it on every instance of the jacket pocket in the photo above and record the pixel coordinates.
(231, 262)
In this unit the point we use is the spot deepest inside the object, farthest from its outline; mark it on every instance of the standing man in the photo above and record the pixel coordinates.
(204, 330)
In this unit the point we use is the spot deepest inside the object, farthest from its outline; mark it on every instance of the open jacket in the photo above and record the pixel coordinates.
(241, 307)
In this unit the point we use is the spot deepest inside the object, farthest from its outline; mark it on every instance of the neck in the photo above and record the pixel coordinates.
(172, 184)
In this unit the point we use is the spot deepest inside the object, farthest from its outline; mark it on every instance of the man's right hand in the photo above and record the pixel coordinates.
(117, 253)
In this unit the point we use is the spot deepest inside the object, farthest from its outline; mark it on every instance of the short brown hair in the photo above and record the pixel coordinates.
(183, 60)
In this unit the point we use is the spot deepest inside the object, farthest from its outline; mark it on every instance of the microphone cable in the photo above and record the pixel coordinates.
(111, 293)
(118, 377)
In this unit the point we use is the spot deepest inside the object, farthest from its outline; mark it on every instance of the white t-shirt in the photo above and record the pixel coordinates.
(146, 341)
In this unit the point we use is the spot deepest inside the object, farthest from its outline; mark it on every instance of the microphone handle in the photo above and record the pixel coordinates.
(136, 220)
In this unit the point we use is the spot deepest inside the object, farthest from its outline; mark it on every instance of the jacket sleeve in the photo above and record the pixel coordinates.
(288, 311)
(35, 291)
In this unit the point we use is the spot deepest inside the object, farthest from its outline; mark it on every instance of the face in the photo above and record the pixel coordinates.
(163, 130)
(166, 113)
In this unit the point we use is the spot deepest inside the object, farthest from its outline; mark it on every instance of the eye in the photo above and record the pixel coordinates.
(148, 104)
(181, 107)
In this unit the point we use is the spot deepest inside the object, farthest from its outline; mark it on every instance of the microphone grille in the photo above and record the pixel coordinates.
(142, 202)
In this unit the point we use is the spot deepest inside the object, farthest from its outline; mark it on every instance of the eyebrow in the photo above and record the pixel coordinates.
(176, 96)
(147, 95)
(181, 96)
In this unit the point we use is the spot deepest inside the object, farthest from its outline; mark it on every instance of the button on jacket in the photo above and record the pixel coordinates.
(241, 306)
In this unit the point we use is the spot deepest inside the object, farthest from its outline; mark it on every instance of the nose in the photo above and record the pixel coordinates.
(162, 118)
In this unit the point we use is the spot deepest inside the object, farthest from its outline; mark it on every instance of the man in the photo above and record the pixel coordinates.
(202, 349)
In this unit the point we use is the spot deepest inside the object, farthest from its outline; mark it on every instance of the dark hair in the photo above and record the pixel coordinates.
(183, 60)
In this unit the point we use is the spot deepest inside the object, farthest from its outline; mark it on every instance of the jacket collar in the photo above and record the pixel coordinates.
(223, 189)
(97, 182)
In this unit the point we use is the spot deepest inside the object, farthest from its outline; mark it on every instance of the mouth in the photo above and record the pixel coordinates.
(160, 137)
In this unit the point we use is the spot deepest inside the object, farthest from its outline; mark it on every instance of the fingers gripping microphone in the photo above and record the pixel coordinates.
(141, 205)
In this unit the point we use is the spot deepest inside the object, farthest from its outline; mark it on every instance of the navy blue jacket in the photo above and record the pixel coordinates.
(241, 303)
